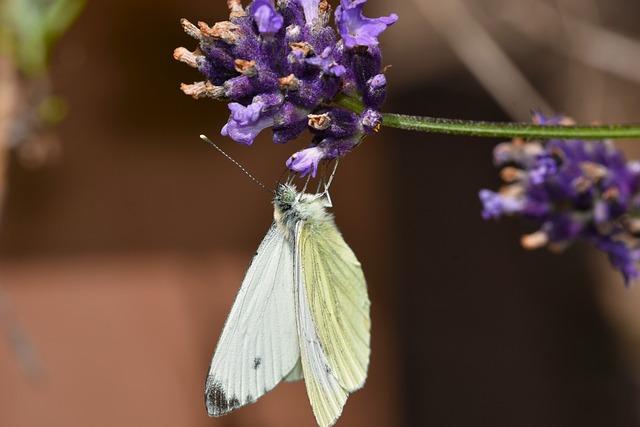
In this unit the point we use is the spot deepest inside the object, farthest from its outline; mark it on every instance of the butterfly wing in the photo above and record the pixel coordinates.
(325, 393)
(333, 318)
(259, 344)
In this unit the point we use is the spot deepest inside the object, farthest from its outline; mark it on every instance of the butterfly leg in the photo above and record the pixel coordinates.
(306, 184)
(327, 184)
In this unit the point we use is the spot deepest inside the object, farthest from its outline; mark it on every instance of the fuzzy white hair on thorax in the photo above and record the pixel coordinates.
(291, 207)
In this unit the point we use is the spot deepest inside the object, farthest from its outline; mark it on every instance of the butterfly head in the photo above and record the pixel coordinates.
(292, 206)
(286, 196)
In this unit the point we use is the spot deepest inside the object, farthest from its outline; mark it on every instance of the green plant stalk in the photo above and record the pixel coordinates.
(496, 130)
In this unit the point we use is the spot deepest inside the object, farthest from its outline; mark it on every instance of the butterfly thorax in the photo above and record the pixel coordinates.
(291, 207)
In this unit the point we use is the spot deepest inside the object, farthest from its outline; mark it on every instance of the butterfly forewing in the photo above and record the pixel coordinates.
(259, 344)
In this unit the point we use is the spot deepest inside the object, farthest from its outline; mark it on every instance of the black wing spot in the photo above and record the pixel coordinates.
(257, 362)
(217, 401)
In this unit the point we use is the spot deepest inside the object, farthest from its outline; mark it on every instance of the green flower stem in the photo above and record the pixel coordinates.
(496, 130)
(509, 130)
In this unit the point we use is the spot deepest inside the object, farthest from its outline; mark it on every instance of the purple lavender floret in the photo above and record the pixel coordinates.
(327, 63)
(621, 256)
(280, 65)
(358, 30)
(497, 205)
(572, 190)
(268, 20)
(376, 91)
(306, 161)
(246, 123)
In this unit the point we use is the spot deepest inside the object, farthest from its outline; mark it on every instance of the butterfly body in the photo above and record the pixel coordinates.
(302, 312)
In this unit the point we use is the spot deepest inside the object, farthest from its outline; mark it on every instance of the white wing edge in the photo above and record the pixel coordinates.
(259, 346)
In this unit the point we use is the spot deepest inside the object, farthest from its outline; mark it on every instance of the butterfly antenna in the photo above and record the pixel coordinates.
(232, 160)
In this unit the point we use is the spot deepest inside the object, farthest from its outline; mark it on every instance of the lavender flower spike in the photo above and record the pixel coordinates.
(306, 161)
(358, 30)
(280, 65)
(571, 190)
(269, 21)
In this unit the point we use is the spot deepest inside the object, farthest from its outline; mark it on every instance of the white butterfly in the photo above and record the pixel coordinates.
(302, 312)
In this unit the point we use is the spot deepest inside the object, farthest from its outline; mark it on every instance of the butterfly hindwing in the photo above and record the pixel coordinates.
(338, 299)
(259, 346)
(325, 393)
(296, 373)
(333, 318)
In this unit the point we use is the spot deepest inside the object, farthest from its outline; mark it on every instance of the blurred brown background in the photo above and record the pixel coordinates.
(120, 260)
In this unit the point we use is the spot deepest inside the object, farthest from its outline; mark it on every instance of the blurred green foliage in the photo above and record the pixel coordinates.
(52, 110)
(29, 29)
